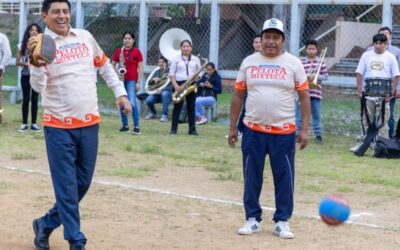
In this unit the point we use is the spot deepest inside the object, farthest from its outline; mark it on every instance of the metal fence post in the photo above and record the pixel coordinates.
(143, 26)
(214, 32)
(22, 20)
(79, 15)
(387, 13)
(22, 24)
(295, 28)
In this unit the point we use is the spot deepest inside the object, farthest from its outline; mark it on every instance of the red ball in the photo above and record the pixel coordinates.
(334, 210)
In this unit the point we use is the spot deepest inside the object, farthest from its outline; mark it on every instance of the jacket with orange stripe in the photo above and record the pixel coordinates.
(68, 84)
(270, 84)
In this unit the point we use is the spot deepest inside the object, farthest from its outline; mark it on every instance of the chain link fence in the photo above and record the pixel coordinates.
(346, 30)
(239, 23)
(320, 22)
(108, 21)
(166, 16)
(342, 28)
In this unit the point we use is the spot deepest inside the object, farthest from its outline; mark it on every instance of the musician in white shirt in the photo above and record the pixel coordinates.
(378, 63)
(5, 55)
(184, 67)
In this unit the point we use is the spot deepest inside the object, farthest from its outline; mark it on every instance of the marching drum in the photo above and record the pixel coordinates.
(378, 87)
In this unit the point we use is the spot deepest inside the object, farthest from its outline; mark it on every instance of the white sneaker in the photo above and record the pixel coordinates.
(164, 118)
(149, 116)
(282, 230)
(354, 148)
(251, 226)
(201, 120)
(360, 138)
(198, 120)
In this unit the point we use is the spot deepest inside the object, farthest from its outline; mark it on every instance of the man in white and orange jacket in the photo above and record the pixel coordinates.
(70, 119)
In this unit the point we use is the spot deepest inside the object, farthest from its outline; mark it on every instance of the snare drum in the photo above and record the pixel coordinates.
(378, 87)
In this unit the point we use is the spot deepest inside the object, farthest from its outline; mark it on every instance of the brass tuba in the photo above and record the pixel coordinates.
(189, 86)
(152, 87)
(169, 48)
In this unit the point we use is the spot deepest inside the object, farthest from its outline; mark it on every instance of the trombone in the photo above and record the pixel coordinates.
(316, 71)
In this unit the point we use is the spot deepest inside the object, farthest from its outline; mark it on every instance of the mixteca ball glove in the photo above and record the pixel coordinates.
(43, 51)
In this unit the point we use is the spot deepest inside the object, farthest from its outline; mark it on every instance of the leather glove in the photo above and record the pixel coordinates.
(43, 51)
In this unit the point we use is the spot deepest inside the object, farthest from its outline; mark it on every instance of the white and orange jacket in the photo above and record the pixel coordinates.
(68, 84)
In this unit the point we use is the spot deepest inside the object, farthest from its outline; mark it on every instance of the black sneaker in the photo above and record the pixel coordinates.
(35, 128)
(42, 235)
(23, 128)
(318, 140)
(79, 247)
(124, 129)
(173, 132)
(136, 131)
(193, 132)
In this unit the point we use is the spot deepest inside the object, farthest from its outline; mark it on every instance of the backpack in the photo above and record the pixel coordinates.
(373, 128)
(387, 148)
(183, 116)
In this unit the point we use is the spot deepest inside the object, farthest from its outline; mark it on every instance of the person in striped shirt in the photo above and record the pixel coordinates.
(310, 63)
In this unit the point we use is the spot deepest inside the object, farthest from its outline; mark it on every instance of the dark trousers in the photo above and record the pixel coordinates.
(190, 105)
(29, 96)
(72, 158)
(397, 134)
(281, 150)
(391, 117)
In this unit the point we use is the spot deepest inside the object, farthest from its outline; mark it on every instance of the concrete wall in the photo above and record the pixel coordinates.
(350, 34)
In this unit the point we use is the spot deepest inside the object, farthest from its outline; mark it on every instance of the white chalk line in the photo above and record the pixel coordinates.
(208, 199)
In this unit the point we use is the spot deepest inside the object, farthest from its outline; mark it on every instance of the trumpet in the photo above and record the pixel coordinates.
(315, 72)
(121, 65)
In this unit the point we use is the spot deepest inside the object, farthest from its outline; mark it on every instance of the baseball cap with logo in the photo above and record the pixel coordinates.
(273, 24)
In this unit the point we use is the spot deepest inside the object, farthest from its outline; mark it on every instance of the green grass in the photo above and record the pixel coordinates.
(132, 172)
(11, 76)
(330, 168)
(4, 186)
(23, 156)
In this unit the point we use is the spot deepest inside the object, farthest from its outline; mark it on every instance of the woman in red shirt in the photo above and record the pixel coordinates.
(131, 58)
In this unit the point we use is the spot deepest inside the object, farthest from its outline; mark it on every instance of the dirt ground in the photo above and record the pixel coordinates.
(121, 216)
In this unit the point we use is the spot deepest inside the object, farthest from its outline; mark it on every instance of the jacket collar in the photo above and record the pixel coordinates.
(54, 35)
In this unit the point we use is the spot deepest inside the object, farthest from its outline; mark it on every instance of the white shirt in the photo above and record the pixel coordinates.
(5, 51)
(373, 65)
(183, 69)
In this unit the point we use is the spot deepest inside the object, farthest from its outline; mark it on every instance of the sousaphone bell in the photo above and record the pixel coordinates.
(170, 48)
